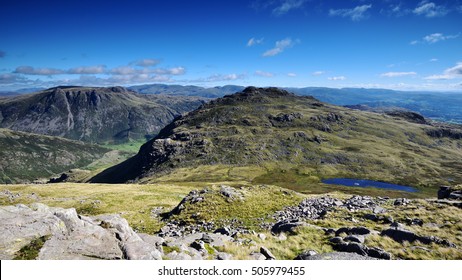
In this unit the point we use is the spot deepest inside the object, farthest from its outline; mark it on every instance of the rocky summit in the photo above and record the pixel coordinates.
(273, 129)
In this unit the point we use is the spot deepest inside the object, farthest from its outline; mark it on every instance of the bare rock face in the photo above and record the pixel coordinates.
(70, 236)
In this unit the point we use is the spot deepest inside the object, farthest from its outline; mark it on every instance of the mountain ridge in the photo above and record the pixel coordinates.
(261, 126)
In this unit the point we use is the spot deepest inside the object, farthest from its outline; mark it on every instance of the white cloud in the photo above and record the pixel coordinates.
(318, 73)
(356, 14)
(128, 70)
(448, 74)
(286, 5)
(87, 70)
(223, 77)
(397, 74)
(433, 60)
(291, 74)
(430, 9)
(279, 47)
(436, 37)
(252, 42)
(337, 78)
(123, 70)
(264, 74)
(172, 71)
(29, 70)
(147, 62)
(9, 78)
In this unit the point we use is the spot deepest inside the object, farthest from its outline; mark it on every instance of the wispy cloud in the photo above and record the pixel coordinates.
(433, 60)
(318, 73)
(434, 38)
(397, 74)
(11, 78)
(170, 71)
(286, 5)
(291, 74)
(279, 47)
(147, 62)
(99, 69)
(29, 70)
(2, 54)
(223, 77)
(264, 74)
(356, 14)
(430, 9)
(337, 78)
(448, 74)
(252, 42)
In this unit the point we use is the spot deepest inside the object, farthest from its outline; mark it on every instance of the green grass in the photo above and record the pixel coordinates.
(131, 147)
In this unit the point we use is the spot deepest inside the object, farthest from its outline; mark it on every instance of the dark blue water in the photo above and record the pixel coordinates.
(367, 183)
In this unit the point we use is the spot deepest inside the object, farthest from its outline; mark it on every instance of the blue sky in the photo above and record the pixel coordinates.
(395, 44)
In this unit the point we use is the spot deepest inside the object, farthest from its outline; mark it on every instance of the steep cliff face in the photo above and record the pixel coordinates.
(92, 114)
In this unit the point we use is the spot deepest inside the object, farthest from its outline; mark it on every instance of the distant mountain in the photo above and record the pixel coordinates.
(213, 92)
(435, 105)
(25, 157)
(270, 129)
(96, 115)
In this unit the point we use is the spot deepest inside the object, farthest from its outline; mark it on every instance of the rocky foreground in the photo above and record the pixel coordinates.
(41, 232)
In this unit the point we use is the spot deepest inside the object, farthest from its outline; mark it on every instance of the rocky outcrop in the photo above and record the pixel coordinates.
(70, 236)
(446, 192)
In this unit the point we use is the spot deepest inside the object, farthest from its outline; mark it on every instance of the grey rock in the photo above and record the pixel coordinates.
(354, 238)
(336, 240)
(378, 253)
(257, 256)
(223, 256)
(199, 245)
(20, 225)
(379, 210)
(267, 253)
(286, 226)
(400, 235)
(224, 231)
(306, 255)
(354, 247)
(339, 256)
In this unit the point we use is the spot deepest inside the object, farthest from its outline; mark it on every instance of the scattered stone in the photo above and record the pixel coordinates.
(262, 236)
(306, 255)
(336, 240)
(378, 253)
(415, 221)
(230, 193)
(223, 256)
(401, 202)
(224, 231)
(339, 256)
(265, 252)
(257, 256)
(354, 238)
(401, 235)
(286, 226)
